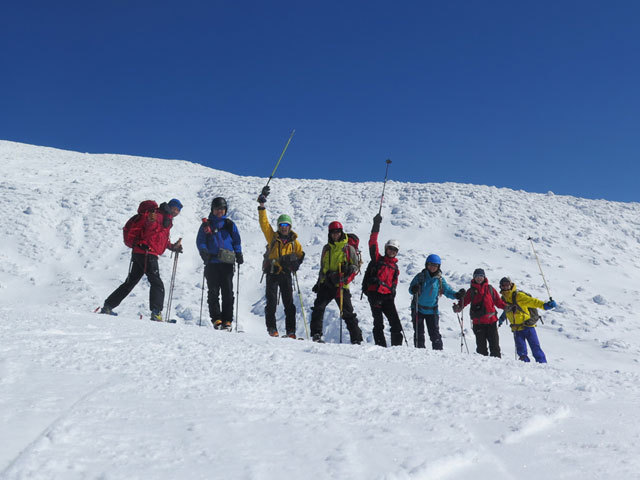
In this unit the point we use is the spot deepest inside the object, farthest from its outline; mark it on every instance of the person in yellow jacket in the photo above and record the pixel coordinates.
(522, 324)
(283, 257)
(339, 264)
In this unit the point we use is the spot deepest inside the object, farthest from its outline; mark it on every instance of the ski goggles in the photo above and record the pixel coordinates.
(284, 224)
(432, 264)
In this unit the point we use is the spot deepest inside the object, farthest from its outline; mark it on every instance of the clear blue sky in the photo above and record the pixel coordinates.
(537, 95)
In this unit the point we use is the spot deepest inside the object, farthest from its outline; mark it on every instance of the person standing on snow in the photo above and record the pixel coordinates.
(148, 234)
(219, 245)
(339, 264)
(522, 324)
(379, 284)
(426, 287)
(483, 299)
(283, 258)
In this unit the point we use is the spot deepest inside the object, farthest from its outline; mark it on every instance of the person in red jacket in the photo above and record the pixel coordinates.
(148, 235)
(483, 299)
(379, 284)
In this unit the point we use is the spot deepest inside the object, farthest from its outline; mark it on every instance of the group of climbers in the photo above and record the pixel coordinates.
(219, 244)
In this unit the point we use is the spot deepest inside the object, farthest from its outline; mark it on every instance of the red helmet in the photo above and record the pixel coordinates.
(335, 226)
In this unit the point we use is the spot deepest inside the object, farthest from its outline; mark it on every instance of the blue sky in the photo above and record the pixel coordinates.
(540, 96)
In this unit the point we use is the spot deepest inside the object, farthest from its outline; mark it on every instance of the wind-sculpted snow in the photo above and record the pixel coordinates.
(90, 396)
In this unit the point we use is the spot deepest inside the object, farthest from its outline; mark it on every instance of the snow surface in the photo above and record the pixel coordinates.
(91, 396)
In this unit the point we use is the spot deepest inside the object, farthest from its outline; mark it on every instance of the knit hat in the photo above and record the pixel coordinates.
(478, 271)
(174, 202)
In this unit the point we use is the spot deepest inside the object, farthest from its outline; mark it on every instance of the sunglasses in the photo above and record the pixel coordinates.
(393, 249)
(335, 231)
(284, 225)
(505, 286)
(432, 264)
(478, 276)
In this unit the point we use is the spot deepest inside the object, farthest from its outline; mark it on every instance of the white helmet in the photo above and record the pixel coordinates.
(392, 243)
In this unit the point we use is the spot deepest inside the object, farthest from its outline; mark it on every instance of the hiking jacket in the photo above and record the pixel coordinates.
(429, 289)
(483, 299)
(524, 302)
(151, 229)
(338, 256)
(278, 246)
(224, 234)
(386, 277)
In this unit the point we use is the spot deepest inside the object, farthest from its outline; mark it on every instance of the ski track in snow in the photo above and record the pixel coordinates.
(89, 396)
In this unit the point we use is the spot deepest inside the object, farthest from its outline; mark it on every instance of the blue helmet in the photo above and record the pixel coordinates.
(433, 258)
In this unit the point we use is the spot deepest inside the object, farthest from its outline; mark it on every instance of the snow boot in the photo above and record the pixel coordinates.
(317, 338)
(273, 332)
(107, 311)
(291, 335)
(217, 324)
(227, 326)
(156, 317)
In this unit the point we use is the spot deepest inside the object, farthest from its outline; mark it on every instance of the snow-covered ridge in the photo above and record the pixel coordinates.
(84, 396)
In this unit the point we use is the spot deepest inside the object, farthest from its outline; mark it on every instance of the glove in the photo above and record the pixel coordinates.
(262, 199)
(460, 294)
(457, 308)
(176, 247)
(377, 220)
(239, 258)
(333, 278)
(413, 290)
(205, 256)
(266, 190)
(502, 318)
(314, 289)
(144, 247)
(350, 270)
(294, 265)
(550, 304)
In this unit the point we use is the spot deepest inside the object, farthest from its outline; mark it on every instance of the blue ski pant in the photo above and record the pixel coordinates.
(521, 337)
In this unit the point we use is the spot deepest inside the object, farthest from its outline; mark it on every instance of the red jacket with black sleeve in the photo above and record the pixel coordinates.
(151, 229)
(483, 299)
(386, 269)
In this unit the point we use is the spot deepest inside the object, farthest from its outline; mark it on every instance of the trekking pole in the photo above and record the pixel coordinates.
(463, 338)
(171, 285)
(281, 155)
(417, 317)
(540, 267)
(202, 296)
(403, 335)
(304, 317)
(341, 297)
(384, 185)
(237, 297)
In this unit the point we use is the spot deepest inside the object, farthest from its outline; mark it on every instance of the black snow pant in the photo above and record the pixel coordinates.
(284, 282)
(140, 265)
(325, 295)
(220, 280)
(433, 328)
(384, 304)
(487, 333)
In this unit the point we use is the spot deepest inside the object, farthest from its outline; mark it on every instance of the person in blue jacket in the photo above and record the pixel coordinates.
(219, 245)
(426, 287)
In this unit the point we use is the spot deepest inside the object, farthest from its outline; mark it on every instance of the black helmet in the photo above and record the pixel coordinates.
(219, 202)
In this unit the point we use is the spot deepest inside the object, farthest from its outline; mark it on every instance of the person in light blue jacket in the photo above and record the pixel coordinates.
(220, 247)
(426, 287)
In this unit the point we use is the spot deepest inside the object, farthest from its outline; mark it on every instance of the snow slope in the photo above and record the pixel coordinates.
(88, 396)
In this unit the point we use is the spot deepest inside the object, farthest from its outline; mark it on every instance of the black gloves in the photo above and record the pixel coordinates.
(176, 247)
(333, 278)
(377, 220)
(205, 256)
(457, 307)
(262, 198)
(460, 294)
(239, 258)
(413, 290)
(350, 270)
(314, 289)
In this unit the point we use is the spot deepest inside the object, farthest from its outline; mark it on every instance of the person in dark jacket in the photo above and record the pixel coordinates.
(148, 234)
(426, 288)
(381, 280)
(483, 299)
(220, 248)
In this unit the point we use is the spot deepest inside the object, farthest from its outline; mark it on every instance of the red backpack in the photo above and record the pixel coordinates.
(144, 208)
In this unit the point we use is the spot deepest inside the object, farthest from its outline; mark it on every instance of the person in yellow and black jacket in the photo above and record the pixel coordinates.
(283, 257)
(521, 321)
(339, 264)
